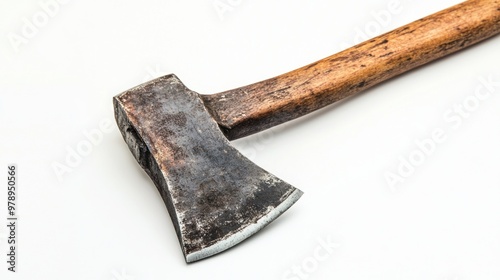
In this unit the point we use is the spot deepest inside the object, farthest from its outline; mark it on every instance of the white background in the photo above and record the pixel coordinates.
(105, 219)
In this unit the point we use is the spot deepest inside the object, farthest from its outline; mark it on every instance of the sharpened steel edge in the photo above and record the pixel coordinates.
(246, 232)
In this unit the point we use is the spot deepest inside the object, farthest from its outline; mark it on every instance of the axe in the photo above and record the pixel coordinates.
(215, 196)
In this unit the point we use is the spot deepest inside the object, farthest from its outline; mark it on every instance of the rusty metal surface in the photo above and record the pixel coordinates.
(215, 196)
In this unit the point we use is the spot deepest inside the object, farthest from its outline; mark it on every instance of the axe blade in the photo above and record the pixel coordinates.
(215, 196)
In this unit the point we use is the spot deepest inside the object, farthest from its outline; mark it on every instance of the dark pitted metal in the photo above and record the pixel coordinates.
(215, 196)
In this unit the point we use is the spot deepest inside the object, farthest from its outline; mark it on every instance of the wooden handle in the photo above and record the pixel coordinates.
(253, 108)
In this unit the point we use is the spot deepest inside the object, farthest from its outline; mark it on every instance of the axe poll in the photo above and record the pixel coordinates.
(216, 197)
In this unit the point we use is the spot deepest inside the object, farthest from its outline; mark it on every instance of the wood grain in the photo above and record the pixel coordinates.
(253, 108)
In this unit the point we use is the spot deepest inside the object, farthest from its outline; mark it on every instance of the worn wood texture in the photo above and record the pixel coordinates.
(253, 108)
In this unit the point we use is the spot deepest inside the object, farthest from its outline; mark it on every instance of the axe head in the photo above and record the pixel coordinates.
(215, 196)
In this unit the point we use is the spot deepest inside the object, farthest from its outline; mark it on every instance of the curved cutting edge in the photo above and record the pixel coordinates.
(246, 232)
